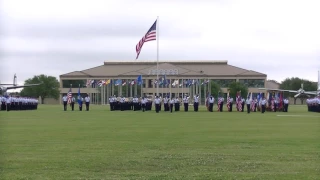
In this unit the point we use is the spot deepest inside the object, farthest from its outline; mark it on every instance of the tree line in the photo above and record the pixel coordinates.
(49, 87)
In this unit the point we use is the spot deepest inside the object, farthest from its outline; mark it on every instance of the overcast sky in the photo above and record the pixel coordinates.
(278, 37)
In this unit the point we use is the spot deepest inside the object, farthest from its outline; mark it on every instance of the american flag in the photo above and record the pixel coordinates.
(69, 95)
(253, 103)
(228, 102)
(150, 36)
(219, 105)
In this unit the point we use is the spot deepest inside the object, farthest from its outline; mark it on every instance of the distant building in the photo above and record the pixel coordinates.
(175, 78)
(272, 84)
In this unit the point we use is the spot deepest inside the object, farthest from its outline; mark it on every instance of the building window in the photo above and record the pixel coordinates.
(223, 83)
(252, 83)
(150, 85)
(74, 83)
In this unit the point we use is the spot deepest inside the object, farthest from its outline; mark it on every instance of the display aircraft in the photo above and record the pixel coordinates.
(4, 89)
(299, 91)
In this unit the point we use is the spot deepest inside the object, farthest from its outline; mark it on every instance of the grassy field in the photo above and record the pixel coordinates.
(52, 144)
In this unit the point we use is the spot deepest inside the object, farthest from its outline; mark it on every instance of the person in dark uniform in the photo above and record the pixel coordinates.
(143, 104)
(65, 99)
(72, 103)
(186, 103)
(166, 103)
(122, 103)
(242, 103)
(231, 104)
(80, 102)
(211, 101)
(196, 103)
(135, 102)
(157, 103)
(275, 104)
(221, 104)
(248, 102)
(263, 105)
(171, 104)
(176, 104)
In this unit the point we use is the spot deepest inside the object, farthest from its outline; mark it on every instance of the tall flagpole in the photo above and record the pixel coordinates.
(157, 34)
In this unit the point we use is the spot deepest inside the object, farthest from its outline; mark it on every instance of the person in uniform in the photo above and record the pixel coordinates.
(248, 102)
(3, 103)
(186, 103)
(242, 103)
(65, 99)
(72, 103)
(263, 105)
(135, 103)
(286, 104)
(157, 104)
(80, 103)
(171, 104)
(110, 103)
(221, 105)
(165, 103)
(8, 103)
(160, 98)
(275, 104)
(196, 103)
(211, 101)
(115, 104)
(87, 99)
(143, 104)
(231, 104)
(176, 104)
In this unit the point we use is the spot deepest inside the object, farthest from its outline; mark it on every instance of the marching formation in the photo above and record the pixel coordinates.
(313, 104)
(9, 103)
(173, 104)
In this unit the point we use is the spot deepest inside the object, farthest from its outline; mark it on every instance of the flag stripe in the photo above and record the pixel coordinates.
(151, 35)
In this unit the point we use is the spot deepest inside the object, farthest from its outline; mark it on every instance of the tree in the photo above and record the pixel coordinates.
(49, 87)
(235, 87)
(215, 89)
(294, 83)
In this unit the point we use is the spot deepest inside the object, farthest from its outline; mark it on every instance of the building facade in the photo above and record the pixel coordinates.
(175, 78)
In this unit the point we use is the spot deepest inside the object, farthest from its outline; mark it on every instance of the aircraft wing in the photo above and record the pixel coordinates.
(293, 91)
(16, 87)
(310, 93)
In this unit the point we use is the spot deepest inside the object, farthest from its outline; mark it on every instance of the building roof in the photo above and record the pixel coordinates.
(272, 84)
(184, 68)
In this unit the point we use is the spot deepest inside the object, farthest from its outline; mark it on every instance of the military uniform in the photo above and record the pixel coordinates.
(248, 102)
(87, 99)
(65, 99)
(186, 103)
(196, 103)
(211, 101)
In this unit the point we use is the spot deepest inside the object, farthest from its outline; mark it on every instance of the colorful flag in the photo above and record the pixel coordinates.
(69, 95)
(207, 100)
(228, 101)
(108, 82)
(149, 36)
(79, 97)
(139, 79)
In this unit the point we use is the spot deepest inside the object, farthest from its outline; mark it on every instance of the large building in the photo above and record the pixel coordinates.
(174, 78)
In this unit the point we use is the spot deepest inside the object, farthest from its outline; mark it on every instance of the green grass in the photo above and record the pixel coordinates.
(52, 144)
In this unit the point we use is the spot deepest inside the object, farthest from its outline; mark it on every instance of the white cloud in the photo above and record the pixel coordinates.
(280, 38)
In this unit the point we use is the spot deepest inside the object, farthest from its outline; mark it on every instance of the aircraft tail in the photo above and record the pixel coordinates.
(15, 80)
